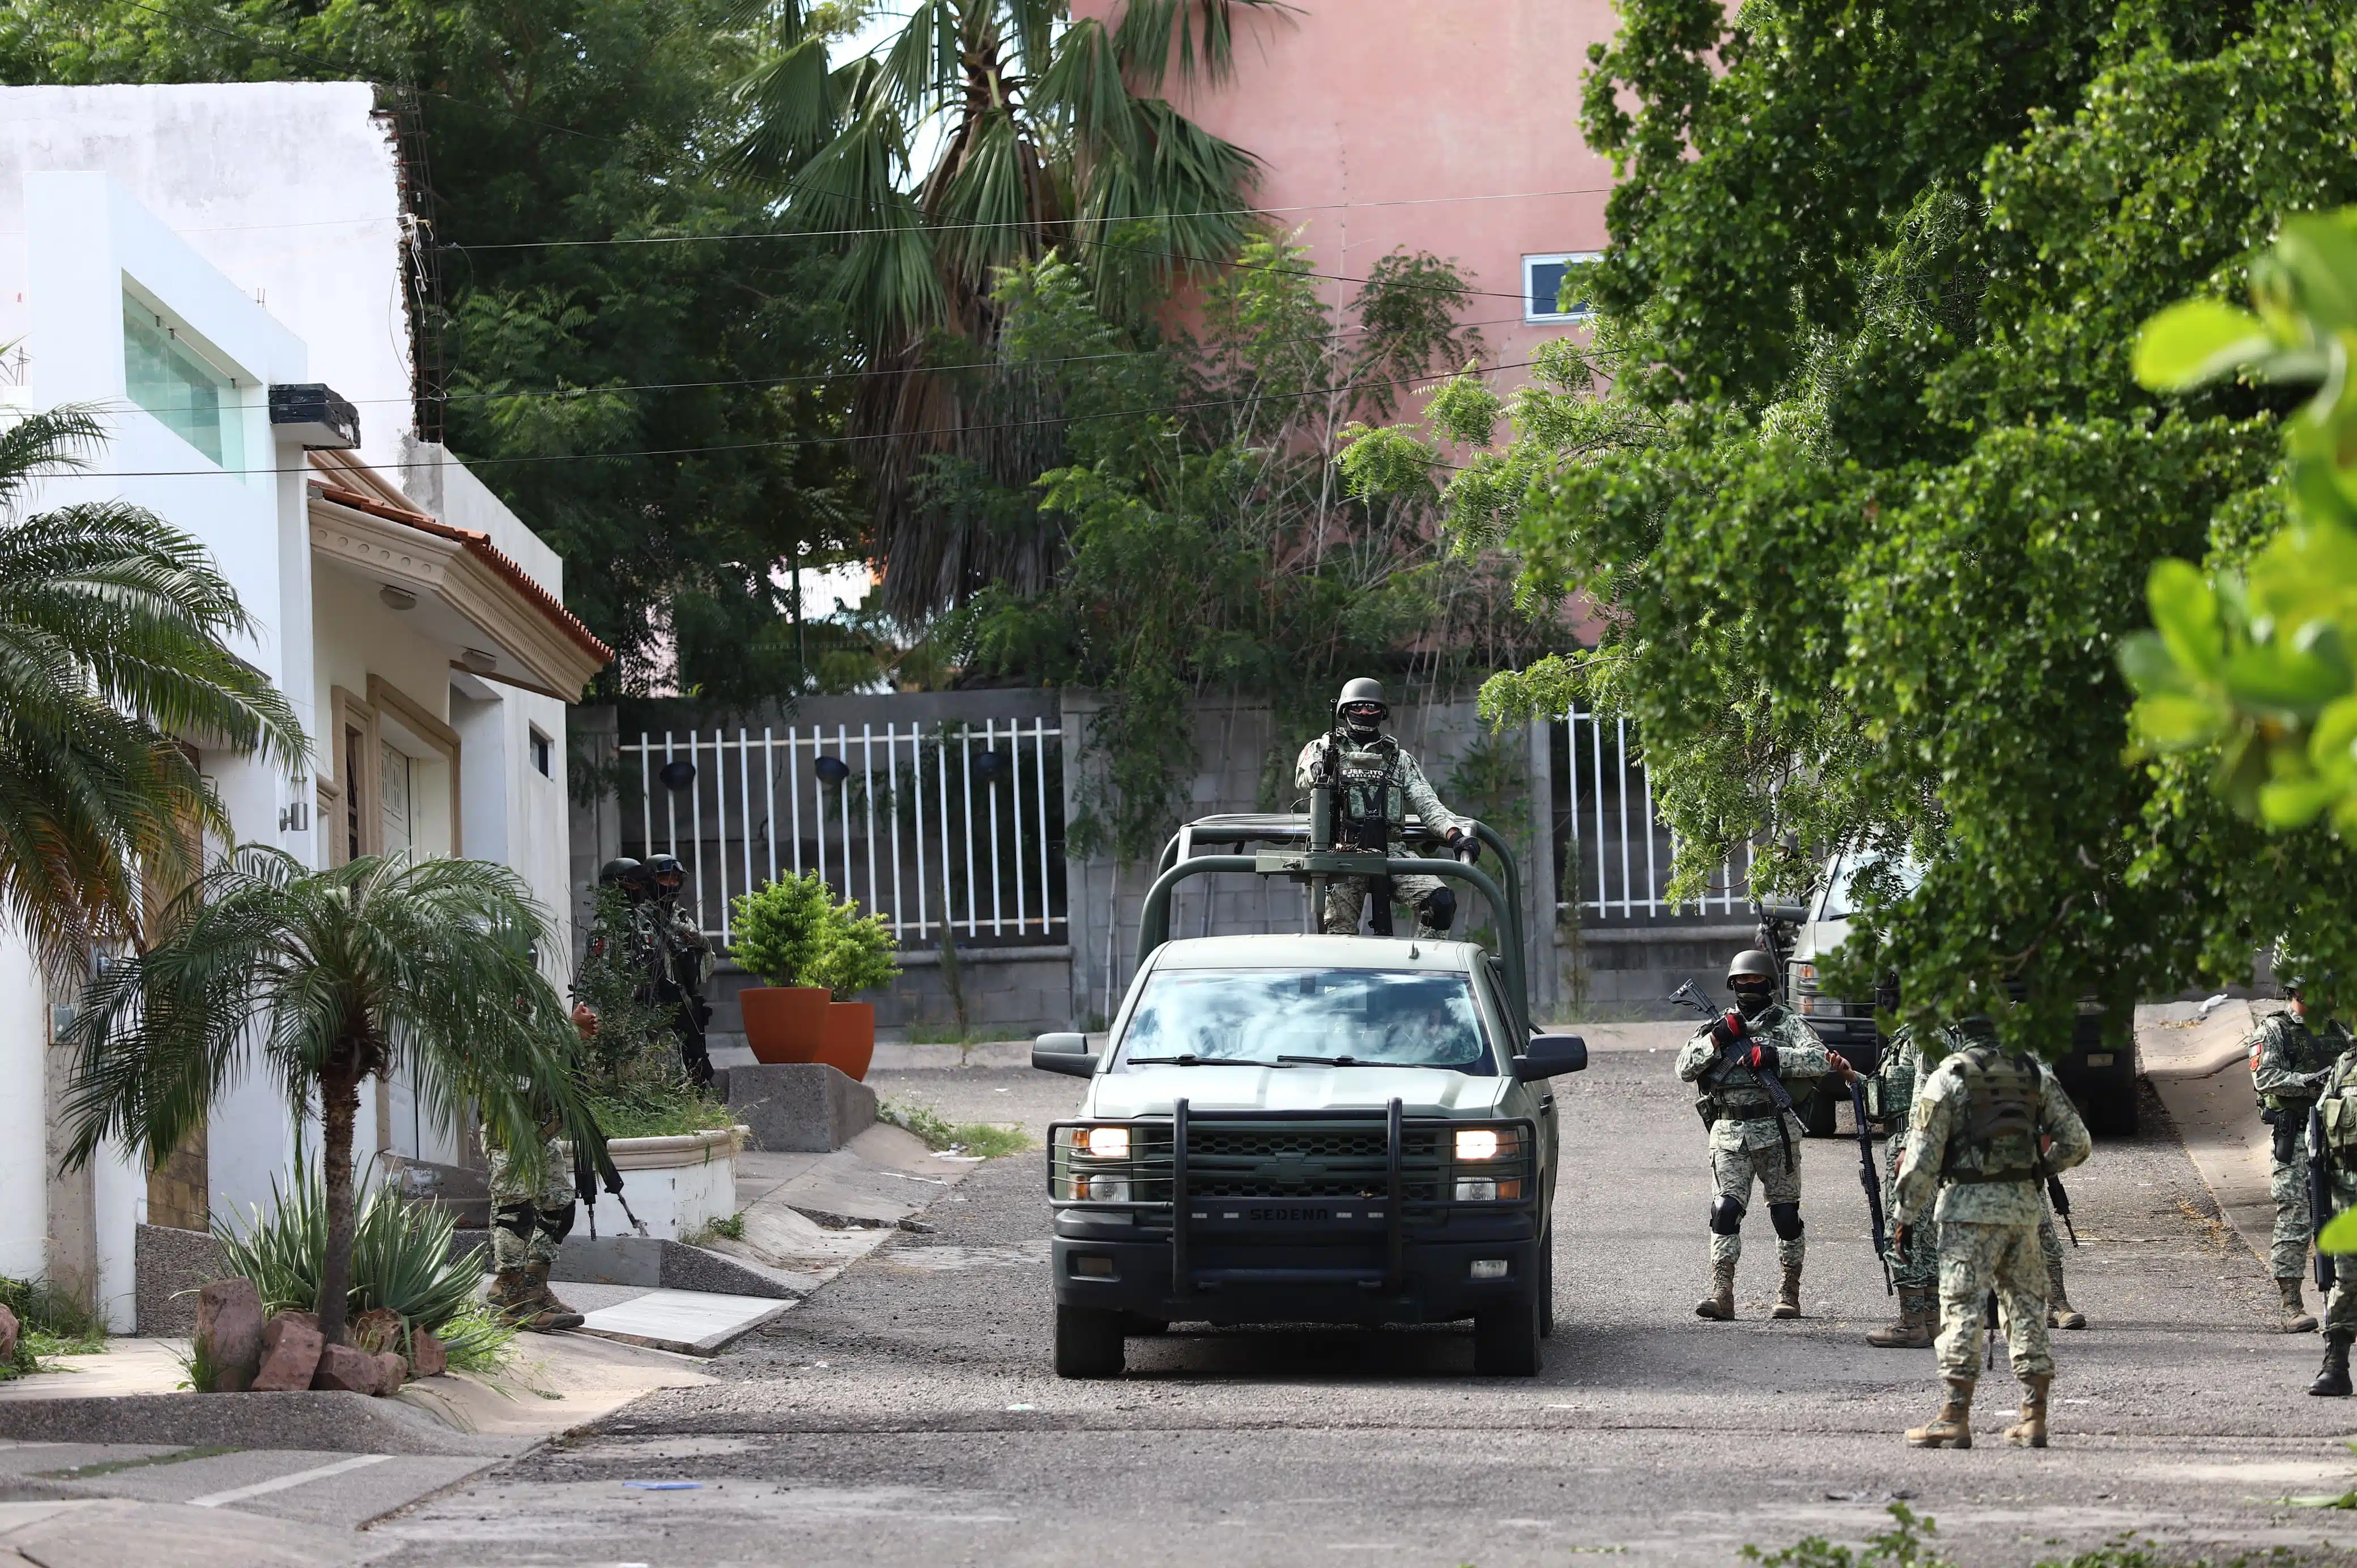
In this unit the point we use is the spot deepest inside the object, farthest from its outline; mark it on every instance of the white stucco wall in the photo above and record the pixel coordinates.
(289, 188)
(23, 1036)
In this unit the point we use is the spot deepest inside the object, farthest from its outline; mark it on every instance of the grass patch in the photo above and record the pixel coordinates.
(659, 1115)
(986, 1139)
(53, 1323)
(732, 1226)
(1909, 1543)
(117, 1467)
(951, 1034)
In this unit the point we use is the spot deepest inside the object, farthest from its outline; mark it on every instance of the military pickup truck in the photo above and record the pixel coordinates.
(1299, 1128)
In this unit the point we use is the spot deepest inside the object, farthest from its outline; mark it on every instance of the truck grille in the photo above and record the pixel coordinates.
(1317, 1159)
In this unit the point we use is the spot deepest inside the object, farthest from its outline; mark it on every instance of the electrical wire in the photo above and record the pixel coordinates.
(1063, 420)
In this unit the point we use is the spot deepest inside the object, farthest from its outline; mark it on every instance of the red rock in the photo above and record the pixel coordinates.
(427, 1358)
(346, 1368)
(375, 1330)
(229, 1333)
(392, 1371)
(11, 1332)
(291, 1348)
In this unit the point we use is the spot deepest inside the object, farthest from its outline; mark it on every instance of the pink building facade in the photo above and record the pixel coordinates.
(1443, 125)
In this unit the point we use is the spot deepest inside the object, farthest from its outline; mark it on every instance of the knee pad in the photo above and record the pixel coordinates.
(1725, 1216)
(556, 1224)
(516, 1218)
(1786, 1218)
(1439, 908)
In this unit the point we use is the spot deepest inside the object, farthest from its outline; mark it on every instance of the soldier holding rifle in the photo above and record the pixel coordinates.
(2291, 1054)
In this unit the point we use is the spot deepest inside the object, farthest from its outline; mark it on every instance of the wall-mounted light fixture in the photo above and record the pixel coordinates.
(397, 598)
(482, 661)
(834, 770)
(677, 774)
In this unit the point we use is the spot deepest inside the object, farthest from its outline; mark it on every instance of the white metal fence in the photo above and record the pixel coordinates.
(957, 824)
(1618, 857)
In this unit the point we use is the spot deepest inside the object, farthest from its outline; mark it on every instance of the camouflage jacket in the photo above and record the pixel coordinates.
(1733, 1100)
(684, 960)
(2283, 1050)
(1895, 1078)
(1935, 1118)
(1422, 799)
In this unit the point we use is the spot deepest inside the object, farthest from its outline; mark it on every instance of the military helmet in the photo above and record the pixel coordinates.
(1751, 964)
(1361, 690)
(662, 865)
(615, 870)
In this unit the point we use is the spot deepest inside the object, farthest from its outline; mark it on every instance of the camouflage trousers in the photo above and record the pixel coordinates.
(1346, 903)
(2287, 1184)
(1918, 1268)
(1976, 1259)
(1734, 1171)
(529, 1220)
(2340, 1302)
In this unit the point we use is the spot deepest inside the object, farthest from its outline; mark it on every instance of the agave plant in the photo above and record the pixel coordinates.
(360, 972)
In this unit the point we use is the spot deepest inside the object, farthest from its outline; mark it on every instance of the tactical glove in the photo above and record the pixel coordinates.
(1463, 843)
(1728, 1030)
(1759, 1058)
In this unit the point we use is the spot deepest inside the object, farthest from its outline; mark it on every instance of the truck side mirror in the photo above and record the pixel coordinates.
(1064, 1051)
(1551, 1056)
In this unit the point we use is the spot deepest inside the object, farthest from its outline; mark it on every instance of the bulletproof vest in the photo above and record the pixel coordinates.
(1734, 1094)
(1995, 1133)
(2338, 1107)
(2304, 1050)
(1370, 798)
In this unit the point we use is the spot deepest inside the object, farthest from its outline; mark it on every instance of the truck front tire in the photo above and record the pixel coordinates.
(1506, 1339)
(1088, 1342)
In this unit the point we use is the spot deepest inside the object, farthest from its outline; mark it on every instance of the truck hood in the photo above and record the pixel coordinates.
(1422, 1092)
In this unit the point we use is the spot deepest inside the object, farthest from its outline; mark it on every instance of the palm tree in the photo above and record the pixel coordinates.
(351, 973)
(1051, 133)
(114, 634)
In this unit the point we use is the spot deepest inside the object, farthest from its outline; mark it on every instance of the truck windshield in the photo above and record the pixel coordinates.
(1844, 889)
(1283, 1017)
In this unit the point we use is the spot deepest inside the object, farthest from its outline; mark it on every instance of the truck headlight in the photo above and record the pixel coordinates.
(1104, 1143)
(1102, 1189)
(1486, 1189)
(1477, 1142)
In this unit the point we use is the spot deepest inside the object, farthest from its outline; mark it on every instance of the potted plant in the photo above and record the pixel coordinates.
(854, 955)
(776, 934)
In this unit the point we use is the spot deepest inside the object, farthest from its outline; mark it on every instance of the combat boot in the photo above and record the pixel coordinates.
(1918, 1323)
(2297, 1318)
(511, 1297)
(2333, 1381)
(1720, 1304)
(1952, 1428)
(1788, 1295)
(2030, 1431)
(548, 1314)
(2059, 1313)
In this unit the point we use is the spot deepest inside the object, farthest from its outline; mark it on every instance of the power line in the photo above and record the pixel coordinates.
(1018, 222)
(821, 440)
(582, 391)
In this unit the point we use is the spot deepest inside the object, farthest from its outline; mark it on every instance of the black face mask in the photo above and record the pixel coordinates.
(1752, 1000)
(1361, 729)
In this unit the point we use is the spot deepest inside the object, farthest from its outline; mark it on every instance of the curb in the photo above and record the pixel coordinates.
(328, 1422)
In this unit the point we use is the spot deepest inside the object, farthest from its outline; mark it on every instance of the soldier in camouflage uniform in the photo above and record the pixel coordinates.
(682, 965)
(1731, 1062)
(530, 1221)
(1915, 1271)
(2337, 1106)
(2289, 1062)
(1914, 1268)
(1376, 784)
(1986, 1130)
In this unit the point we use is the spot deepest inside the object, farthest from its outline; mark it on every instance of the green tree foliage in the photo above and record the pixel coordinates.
(976, 136)
(1871, 499)
(1209, 548)
(117, 635)
(547, 128)
(376, 968)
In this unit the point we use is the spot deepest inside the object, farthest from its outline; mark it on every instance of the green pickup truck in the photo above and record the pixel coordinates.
(1298, 1128)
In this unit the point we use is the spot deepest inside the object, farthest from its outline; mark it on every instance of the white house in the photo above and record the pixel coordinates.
(219, 268)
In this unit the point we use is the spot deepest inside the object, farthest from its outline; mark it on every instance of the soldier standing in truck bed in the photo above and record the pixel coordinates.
(1376, 785)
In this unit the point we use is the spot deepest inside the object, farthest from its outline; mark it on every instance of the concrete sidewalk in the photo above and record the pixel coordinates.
(2197, 1067)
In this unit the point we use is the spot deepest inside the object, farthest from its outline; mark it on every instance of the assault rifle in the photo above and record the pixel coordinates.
(1871, 1179)
(2062, 1202)
(1688, 994)
(2320, 1192)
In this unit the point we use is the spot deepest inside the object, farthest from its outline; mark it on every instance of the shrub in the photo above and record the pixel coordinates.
(53, 1323)
(855, 954)
(401, 1259)
(777, 930)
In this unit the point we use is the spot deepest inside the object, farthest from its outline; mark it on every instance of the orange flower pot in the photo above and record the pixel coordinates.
(848, 1043)
(785, 1023)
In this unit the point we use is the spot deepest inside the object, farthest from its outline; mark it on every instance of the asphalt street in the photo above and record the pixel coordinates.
(907, 1412)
